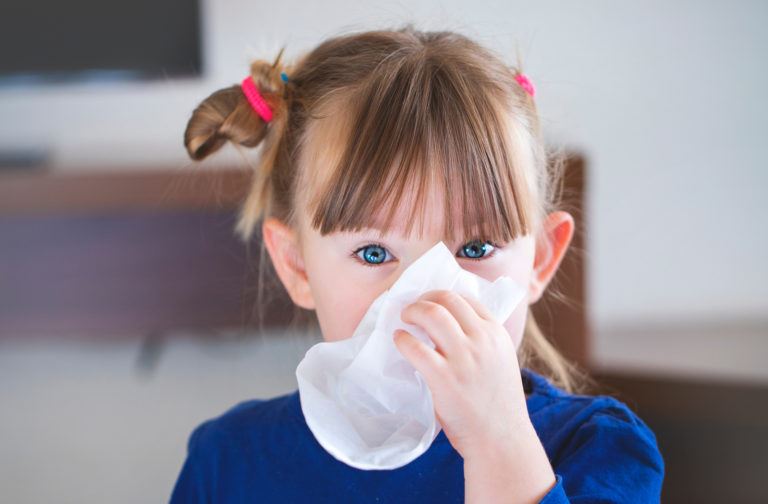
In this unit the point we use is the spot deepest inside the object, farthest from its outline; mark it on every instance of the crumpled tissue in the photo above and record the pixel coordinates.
(363, 401)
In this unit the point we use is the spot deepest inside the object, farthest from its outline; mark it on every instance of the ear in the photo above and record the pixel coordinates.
(285, 251)
(552, 242)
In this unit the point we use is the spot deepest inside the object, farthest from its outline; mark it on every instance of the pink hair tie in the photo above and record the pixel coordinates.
(526, 83)
(255, 99)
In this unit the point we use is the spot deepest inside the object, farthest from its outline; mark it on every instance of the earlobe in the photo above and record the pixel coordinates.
(551, 245)
(283, 247)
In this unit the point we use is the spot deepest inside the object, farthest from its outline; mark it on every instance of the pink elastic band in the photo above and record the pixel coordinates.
(526, 83)
(255, 99)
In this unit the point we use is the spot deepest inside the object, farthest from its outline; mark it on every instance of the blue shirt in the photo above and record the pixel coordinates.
(261, 450)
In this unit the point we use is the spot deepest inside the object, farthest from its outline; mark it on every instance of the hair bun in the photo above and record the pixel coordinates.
(226, 115)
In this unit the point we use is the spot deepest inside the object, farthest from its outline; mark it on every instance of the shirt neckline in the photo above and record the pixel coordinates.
(539, 388)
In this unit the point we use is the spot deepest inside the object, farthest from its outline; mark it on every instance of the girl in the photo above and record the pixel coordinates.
(363, 137)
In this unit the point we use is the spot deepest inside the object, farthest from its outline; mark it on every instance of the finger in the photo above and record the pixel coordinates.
(488, 316)
(463, 310)
(481, 310)
(426, 360)
(439, 324)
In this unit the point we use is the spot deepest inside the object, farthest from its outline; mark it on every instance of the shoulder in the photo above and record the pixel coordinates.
(220, 450)
(578, 410)
(605, 426)
(243, 423)
(596, 442)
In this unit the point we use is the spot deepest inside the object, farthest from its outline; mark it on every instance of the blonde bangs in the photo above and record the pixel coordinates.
(417, 126)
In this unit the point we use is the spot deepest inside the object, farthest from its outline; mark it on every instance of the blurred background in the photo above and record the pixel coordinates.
(127, 307)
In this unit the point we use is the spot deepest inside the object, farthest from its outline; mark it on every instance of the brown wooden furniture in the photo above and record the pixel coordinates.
(123, 253)
(566, 322)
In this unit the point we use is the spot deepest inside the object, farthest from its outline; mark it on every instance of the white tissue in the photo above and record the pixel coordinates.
(363, 401)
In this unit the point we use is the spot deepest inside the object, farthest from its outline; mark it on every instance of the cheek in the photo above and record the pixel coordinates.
(521, 270)
(341, 299)
(518, 267)
(515, 324)
(337, 305)
(342, 290)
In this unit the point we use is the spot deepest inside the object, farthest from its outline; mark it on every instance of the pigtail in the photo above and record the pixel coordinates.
(226, 115)
(222, 117)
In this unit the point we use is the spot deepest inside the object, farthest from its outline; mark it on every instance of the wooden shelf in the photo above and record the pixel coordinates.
(127, 253)
(128, 190)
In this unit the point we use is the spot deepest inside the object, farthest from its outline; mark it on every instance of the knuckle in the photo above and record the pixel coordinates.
(434, 309)
(449, 297)
(475, 333)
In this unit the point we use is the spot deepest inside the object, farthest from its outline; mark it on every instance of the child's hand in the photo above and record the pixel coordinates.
(472, 372)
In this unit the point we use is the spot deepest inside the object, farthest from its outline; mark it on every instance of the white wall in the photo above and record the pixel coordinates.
(666, 99)
(82, 423)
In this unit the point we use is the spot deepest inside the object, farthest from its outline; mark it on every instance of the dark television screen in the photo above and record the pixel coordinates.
(65, 40)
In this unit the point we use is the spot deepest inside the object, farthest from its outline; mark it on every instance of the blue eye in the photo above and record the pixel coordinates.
(476, 248)
(374, 254)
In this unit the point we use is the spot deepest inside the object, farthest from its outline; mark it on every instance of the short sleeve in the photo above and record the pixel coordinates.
(191, 485)
(612, 457)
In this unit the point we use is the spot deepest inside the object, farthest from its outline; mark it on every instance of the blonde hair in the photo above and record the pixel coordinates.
(416, 109)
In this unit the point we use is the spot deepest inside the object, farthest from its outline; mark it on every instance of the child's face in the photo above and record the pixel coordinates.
(330, 274)
(343, 284)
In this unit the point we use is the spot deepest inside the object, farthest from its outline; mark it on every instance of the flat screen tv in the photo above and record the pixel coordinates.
(53, 41)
